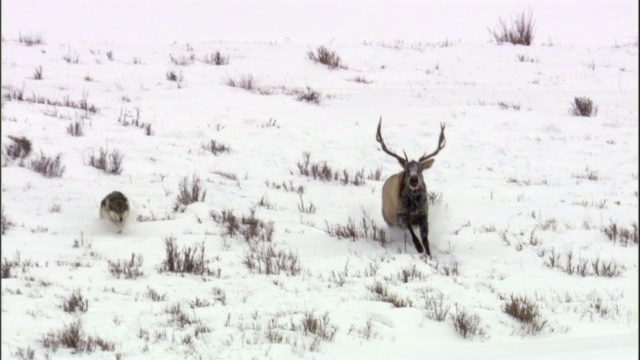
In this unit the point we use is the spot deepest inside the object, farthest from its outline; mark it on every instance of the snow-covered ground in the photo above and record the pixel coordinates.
(522, 193)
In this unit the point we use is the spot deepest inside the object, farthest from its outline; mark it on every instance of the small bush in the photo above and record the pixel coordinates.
(73, 336)
(526, 58)
(7, 267)
(110, 55)
(367, 229)
(154, 296)
(30, 39)
(5, 224)
(621, 235)
(20, 147)
(228, 220)
(435, 198)
(153, 217)
(319, 326)
(82, 104)
(71, 57)
(508, 105)
(189, 260)
(249, 226)
(361, 79)
(310, 96)
(583, 106)
(189, 192)
(306, 209)
(110, 163)
(216, 59)
(48, 166)
(435, 308)
(521, 31)
(326, 57)
(215, 147)
(126, 118)
(583, 267)
(381, 292)
(173, 76)
(37, 73)
(225, 174)
(526, 312)
(75, 303)
(25, 353)
(287, 187)
(179, 316)
(467, 325)
(588, 174)
(75, 128)
(127, 268)
(247, 82)
(324, 172)
(271, 123)
(183, 60)
(263, 258)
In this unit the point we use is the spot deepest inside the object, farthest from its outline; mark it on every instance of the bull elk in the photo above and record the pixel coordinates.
(404, 195)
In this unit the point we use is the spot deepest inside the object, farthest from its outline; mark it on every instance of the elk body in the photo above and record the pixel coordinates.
(404, 195)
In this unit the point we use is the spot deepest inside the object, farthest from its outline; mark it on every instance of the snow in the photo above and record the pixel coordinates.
(513, 178)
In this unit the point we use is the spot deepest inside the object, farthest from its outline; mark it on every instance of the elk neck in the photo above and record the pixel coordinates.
(413, 200)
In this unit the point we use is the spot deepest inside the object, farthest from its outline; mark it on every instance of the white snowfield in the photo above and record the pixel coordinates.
(524, 197)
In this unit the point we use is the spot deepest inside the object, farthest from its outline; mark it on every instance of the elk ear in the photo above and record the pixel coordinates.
(427, 164)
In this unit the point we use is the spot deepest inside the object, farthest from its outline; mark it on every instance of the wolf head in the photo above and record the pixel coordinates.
(118, 206)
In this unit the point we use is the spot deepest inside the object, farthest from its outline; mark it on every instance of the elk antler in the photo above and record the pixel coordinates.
(384, 147)
(441, 143)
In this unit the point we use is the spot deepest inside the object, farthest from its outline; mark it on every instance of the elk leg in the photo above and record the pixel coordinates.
(424, 233)
(416, 242)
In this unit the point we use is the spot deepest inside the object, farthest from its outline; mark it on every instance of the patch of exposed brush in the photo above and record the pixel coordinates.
(189, 192)
(182, 60)
(109, 162)
(187, 260)
(215, 147)
(520, 31)
(322, 55)
(76, 302)
(319, 326)
(252, 228)
(583, 106)
(322, 171)
(468, 325)
(309, 95)
(622, 235)
(127, 268)
(126, 118)
(18, 95)
(73, 336)
(5, 224)
(382, 293)
(247, 82)
(264, 258)
(366, 228)
(573, 265)
(48, 166)
(526, 312)
(216, 59)
(30, 39)
(18, 149)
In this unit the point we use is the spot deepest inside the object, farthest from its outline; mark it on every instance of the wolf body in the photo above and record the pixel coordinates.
(115, 208)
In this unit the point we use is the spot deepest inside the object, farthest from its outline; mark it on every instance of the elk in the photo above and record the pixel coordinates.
(404, 195)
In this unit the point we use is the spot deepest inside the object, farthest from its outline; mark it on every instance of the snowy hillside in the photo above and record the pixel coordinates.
(283, 252)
